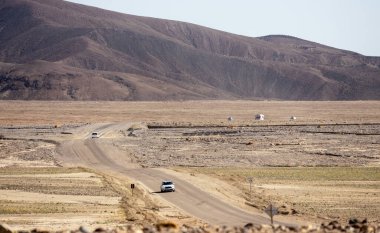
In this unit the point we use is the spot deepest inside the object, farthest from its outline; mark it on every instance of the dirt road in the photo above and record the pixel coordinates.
(99, 154)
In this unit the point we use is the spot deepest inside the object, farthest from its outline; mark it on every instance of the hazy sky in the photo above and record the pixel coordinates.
(346, 24)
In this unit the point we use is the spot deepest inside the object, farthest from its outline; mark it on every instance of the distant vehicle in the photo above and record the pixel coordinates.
(167, 186)
(95, 135)
(259, 117)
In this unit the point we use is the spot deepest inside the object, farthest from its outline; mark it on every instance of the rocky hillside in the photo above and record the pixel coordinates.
(56, 50)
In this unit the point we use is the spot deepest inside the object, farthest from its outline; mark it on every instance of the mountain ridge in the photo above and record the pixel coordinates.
(142, 58)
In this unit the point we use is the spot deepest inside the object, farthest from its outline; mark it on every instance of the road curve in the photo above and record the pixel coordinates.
(97, 154)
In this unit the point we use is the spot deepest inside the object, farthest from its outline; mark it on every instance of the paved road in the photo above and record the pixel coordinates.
(98, 154)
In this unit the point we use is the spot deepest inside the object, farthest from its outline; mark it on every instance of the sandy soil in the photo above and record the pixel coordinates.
(47, 196)
(188, 112)
(186, 134)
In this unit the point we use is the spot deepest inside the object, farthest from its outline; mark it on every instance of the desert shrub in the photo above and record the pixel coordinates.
(138, 126)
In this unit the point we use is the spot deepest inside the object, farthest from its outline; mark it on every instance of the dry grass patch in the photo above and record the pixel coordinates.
(61, 193)
(22, 207)
(39, 170)
(317, 192)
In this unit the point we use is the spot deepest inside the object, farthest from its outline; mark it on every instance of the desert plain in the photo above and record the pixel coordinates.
(322, 166)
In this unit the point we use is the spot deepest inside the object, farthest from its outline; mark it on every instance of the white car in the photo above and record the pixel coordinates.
(167, 186)
(95, 135)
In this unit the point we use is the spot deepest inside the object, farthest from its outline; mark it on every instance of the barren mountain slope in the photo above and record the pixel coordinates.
(52, 49)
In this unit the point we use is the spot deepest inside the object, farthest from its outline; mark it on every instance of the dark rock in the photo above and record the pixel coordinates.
(353, 221)
(4, 228)
(166, 225)
(100, 229)
(39, 231)
(84, 229)
(292, 228)
(248, 225)
(284, 212)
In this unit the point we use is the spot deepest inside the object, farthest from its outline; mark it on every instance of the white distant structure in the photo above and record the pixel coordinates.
(259, 117)
(293, 118)
(230, 118)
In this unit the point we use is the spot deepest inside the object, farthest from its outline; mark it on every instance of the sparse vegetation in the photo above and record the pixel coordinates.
(198, 134)
(266, 174)
(323, 192)
(190, 113)
(39, 170)
(22, 207)
(57, 190)
(74, 192)
(137, 126)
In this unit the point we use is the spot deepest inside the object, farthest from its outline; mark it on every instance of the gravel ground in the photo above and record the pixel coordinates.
(354, 226)
(308, 145)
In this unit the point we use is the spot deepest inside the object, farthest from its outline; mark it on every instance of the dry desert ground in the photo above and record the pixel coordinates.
(325, 165)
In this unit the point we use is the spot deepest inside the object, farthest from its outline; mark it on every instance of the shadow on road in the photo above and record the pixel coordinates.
(160, 192)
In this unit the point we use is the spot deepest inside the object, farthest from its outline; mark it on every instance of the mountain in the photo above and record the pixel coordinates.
(56, 50)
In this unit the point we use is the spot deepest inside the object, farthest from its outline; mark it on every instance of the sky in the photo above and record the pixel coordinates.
(345, 24)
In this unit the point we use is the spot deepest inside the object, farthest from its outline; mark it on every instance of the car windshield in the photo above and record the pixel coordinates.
(94, 133)
(167, 183)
